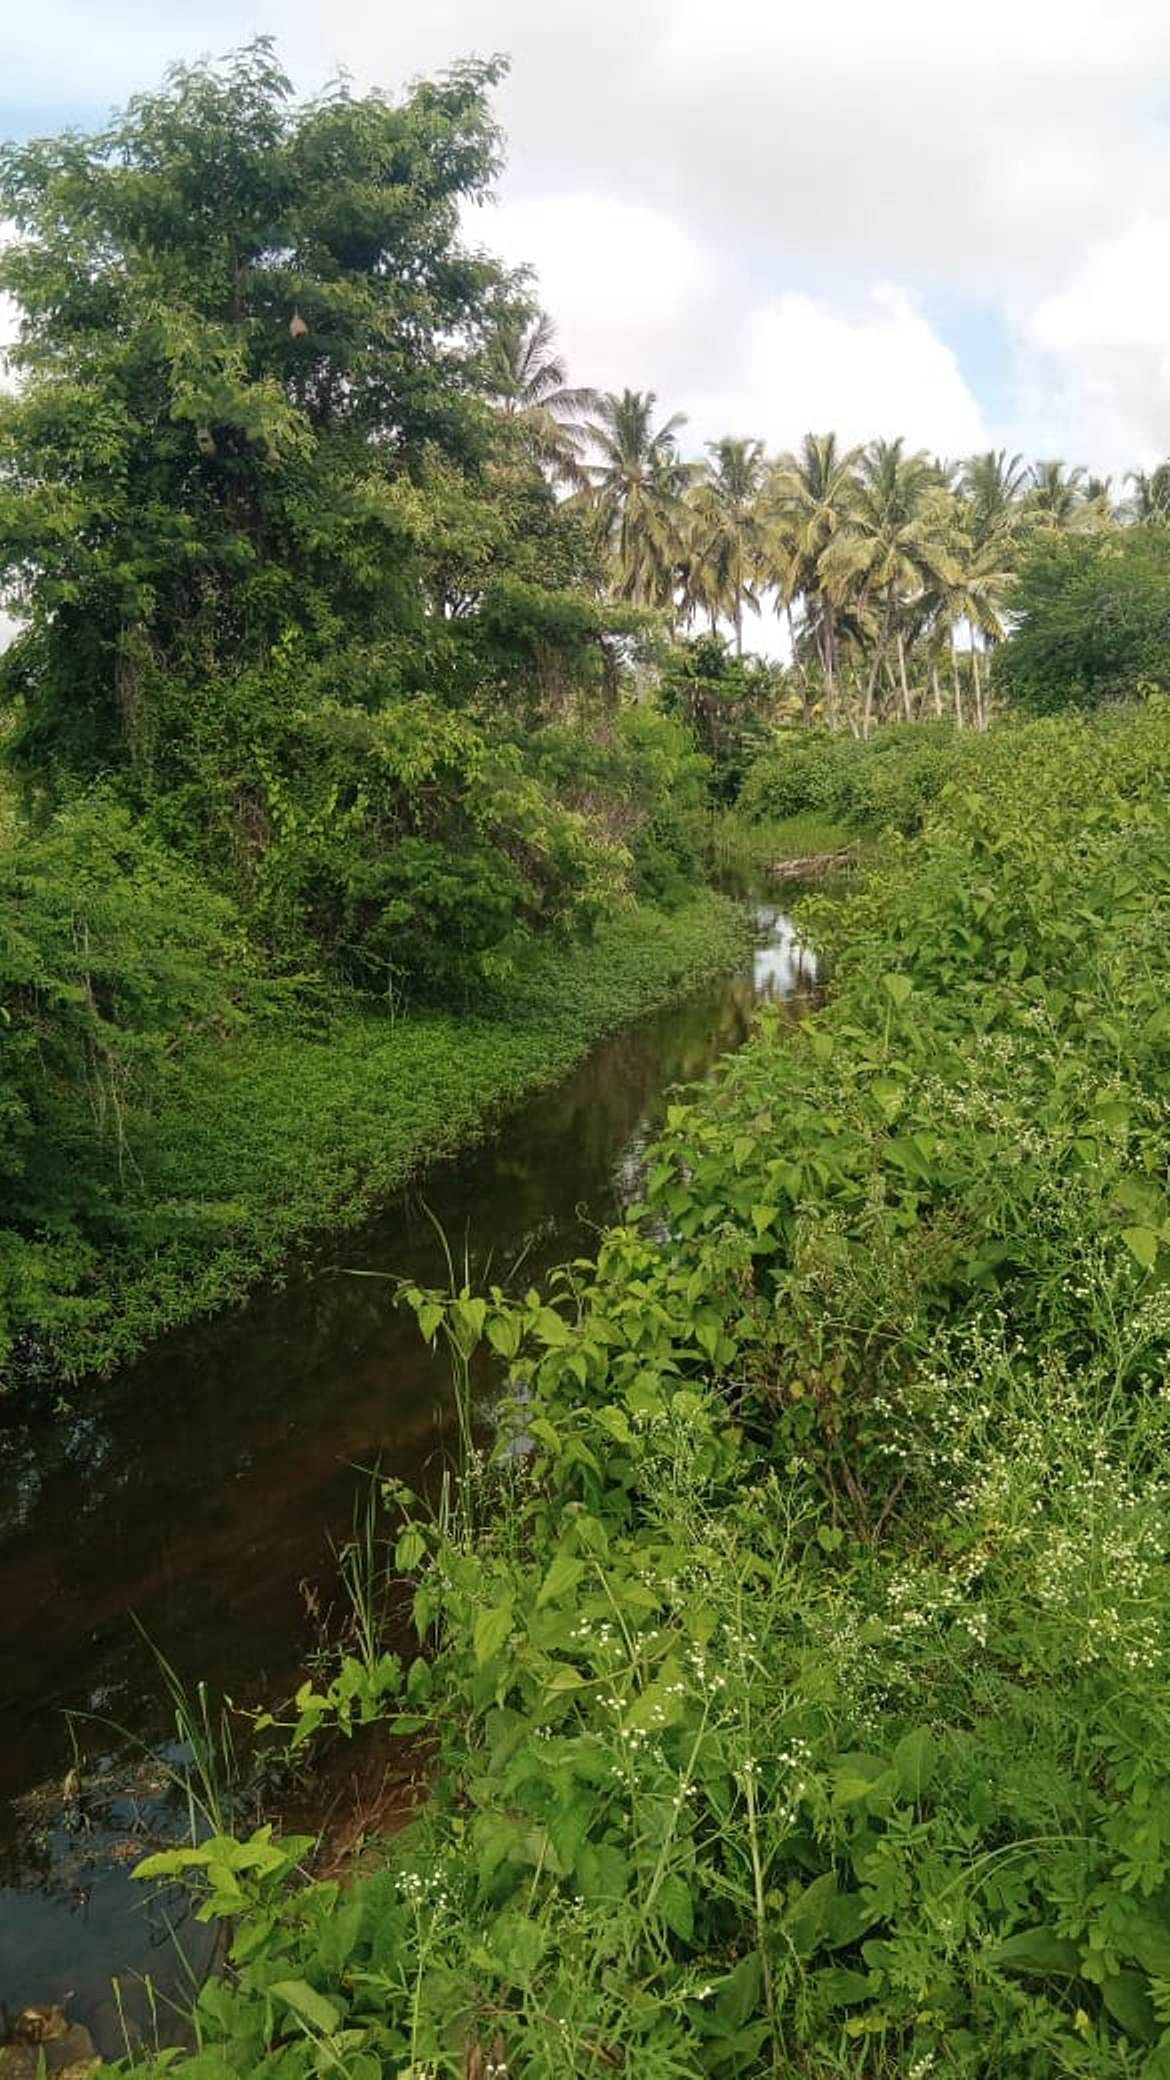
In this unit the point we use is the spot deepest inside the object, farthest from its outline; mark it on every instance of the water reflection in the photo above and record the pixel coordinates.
(200, 1490)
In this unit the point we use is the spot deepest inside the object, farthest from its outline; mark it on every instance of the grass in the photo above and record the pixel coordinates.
(740, 846)
(268, 1140)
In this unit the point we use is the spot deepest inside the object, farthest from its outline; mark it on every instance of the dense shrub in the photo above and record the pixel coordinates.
(726, 701)
(415, 857)
(112, 957)
(1091, 618)
(888, 782)
(637, 775)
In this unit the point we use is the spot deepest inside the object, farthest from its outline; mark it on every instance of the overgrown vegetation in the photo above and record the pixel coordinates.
(256, 1142)
(798, 1685)
(1091, 623)
(318, 713)
(794, 1664)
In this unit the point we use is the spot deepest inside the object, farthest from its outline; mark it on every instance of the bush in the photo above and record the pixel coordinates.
(1091, 620)
(727, 702)
(112, 956)
(416, 858)
(638, 776)
(888, 782)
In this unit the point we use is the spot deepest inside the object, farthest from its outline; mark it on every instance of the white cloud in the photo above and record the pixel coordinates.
(639, 301)
(873, 367)
(1095, 375)
(623, 281)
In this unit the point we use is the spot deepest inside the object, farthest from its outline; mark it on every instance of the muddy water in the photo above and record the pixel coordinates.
(199, 1493)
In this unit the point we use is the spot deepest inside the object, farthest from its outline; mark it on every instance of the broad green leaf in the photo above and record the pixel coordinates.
(1039, 1952)
(491, 1630)
(411, 1548)
(305, 2001)
(1127, 1997)
(915, 1759)
(429, 1316)
(739, 1993)
(504, 1333)
(563, 1576)
(677, 1906)
(1142, 1243)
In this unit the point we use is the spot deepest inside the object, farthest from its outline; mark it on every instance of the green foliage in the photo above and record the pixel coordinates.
(742, 849)
(283, 568)
(727, 701)
(109, 953)
(415, 855)
(638, 775)
(800, 1693)
(1090, 621)
(245, 326)
(888, 782)
(239, 1143)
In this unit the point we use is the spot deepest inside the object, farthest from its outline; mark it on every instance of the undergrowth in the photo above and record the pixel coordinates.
(797, 1661)
(276, 1135)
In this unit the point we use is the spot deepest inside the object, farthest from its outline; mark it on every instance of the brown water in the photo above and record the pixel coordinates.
(200, 1491)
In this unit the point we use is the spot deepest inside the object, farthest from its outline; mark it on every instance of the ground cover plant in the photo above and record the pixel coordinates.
(158, 1182)
(796, 1661)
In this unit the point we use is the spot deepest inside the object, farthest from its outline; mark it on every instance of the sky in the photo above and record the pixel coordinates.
(883, 216)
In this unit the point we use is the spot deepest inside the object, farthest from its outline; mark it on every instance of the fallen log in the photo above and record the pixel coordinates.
(813, 864)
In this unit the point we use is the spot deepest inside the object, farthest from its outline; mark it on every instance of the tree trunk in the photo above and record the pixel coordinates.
(738, 622)
(956, 682)
(805, 704)
(980, 717)
(830, 660)
(907, 716)
(879, 658)
(936, 690)
(853, 711)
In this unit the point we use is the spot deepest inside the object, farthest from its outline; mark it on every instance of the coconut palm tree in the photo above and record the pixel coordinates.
(1056, 496)
(805, 504)
(1149, 498)
(970, 591)
(528, 380)
(726, 534)
(892, 549)
(637, 494)
(993, 487)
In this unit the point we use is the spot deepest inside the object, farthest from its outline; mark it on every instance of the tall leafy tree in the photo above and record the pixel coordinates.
(1057, 496)
(1149, 496)
(247, 327)
(993, 486)
(638, 485)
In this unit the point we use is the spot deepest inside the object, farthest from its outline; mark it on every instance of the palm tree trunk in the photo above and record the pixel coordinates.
(830, 660)
(738, 622)
(902, 675)
(980, 717)
(880, 656)
(936, 690)
(853, 711)
(956, 682)
(805, 704)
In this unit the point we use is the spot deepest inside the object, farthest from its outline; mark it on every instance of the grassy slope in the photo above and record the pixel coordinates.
(275, 1138)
